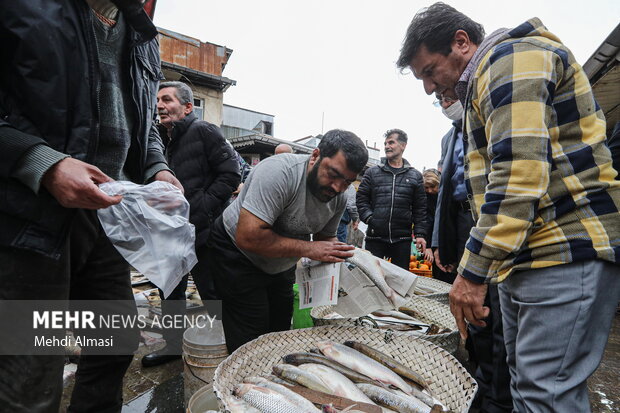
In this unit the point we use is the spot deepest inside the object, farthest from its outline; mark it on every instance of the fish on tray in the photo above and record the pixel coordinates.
(362, 364)
(352, 372)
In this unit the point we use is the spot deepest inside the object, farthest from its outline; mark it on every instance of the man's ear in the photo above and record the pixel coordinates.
(189, 107)
(461, 42)
(316, 153)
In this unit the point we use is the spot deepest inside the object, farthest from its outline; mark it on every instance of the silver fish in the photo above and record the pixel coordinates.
(265, 400)
(235, 405)
(304, 404)
(275, 379)
(302, 377)
(362, 364)
(383, 397)
(337, 382)
(369, 264)
(240, 406)
(425, 398)
(395, 314)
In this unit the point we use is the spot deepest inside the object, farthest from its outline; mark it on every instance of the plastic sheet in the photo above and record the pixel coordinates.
(150, 228)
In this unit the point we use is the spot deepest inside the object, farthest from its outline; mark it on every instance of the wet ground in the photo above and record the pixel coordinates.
(160, 389)
(604, 385)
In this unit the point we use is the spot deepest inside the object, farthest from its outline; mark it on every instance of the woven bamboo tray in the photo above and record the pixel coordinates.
(431, 311)
(441, 289)
(448, 379)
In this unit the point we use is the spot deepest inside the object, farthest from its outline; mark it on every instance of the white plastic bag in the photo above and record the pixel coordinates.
(150, 228)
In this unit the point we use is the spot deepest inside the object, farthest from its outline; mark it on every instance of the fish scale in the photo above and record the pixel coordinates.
(305, 405)
(265, 400)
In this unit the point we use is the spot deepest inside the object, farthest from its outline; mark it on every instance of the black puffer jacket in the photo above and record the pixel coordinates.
(207, 168)
(389, 203)
(49, 95)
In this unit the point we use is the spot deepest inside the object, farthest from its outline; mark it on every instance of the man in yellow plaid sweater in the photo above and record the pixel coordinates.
(542, 190)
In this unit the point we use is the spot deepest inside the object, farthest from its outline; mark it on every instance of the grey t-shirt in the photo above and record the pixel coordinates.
(276, 192)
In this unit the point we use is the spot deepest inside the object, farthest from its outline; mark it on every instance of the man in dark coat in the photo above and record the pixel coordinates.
(207, 167)
(78, 83)
(390, 199)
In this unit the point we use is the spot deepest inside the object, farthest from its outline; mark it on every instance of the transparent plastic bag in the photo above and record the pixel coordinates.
(150, 228)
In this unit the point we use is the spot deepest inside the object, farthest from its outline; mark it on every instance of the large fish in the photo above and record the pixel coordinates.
(305, 405)
(393, 401)
(240, 406)
(303, 358)
(265, 400)
(425, 398)
(389, 362)
(338, 384)
(370, 266)
(301, 377)
(362, 364)
(395, 314)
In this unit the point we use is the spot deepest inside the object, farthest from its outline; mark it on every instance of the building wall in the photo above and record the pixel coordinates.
(246, 119)
(213, 101)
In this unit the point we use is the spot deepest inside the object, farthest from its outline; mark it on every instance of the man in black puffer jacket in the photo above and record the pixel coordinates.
(207, 167)
(390, 198)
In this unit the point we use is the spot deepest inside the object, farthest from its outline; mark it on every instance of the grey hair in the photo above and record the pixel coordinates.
(183, 92)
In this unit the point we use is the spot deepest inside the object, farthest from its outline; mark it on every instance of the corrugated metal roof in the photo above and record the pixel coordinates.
(191, 53)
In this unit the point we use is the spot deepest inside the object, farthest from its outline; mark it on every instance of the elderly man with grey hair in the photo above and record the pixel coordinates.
(207, 167)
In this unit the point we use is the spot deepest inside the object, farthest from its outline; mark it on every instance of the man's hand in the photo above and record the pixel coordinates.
(466, 303)
(355, 224)
(236, 191)
(74, 185)
(167, 176)
(444, 268)
(428, 255)
(420, 244)
(329, 251)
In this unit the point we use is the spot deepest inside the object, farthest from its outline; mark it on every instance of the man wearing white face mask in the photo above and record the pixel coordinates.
(453, 211)
(453, 222)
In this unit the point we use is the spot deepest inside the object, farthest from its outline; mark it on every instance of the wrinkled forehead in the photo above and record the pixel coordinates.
(393, 138)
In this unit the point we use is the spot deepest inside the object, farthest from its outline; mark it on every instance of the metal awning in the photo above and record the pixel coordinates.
(199, 78)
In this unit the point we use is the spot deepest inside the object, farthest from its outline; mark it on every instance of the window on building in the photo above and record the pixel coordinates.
(199, 108)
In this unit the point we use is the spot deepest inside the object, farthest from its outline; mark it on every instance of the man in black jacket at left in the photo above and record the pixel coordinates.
(390, 199)
(209, 171)
(78, 84)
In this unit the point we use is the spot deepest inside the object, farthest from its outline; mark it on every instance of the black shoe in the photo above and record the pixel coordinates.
(159, 357)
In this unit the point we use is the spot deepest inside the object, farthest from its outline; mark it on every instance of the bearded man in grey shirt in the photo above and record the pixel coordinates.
(260, 237)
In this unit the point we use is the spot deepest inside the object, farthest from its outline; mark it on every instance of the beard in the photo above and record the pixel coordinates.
(322, 193)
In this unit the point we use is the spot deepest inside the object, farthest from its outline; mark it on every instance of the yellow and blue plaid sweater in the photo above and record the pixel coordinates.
(538, 171)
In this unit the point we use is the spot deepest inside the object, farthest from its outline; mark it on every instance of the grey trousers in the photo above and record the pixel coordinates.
(556, 325)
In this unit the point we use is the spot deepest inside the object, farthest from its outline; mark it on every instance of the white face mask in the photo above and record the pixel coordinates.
(454, 111)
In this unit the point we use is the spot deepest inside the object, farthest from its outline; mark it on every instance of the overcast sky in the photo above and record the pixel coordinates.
(298, 60)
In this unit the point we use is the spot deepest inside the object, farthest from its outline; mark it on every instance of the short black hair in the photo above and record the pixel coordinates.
(400, 135)
(350, 144)
(434, 27)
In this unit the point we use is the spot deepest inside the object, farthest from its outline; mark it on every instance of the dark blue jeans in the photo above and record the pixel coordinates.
(342, 232)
